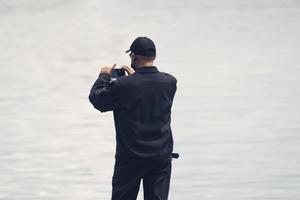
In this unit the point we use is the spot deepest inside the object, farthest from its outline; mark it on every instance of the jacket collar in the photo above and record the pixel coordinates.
(144, 69)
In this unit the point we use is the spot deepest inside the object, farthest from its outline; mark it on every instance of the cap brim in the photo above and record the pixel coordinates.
(127, 51)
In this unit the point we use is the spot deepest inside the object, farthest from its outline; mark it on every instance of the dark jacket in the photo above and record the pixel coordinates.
(141, 105)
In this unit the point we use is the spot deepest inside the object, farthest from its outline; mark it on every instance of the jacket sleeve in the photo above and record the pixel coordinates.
(105, 94)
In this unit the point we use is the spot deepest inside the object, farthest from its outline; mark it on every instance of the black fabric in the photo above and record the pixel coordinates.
(141, 105)
(127, 178)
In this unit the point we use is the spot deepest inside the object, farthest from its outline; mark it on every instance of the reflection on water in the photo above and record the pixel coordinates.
(235, 117)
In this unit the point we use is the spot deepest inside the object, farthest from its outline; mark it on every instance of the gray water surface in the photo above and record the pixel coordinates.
(235, 117)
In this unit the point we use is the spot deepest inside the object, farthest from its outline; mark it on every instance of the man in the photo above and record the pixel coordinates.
(141, 103)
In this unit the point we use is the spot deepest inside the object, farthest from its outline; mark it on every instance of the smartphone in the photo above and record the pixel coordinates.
(117, 72)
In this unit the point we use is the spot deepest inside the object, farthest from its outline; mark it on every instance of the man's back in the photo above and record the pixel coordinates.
(143, 119)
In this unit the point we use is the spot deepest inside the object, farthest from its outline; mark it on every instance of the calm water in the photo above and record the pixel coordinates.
(235, 117)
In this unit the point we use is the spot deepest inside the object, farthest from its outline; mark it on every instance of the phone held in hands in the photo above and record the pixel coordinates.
(117, 72)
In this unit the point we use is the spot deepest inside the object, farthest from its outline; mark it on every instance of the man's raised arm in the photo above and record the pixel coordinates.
(105, 94)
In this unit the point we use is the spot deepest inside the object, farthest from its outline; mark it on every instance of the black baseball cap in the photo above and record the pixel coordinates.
(143, 46)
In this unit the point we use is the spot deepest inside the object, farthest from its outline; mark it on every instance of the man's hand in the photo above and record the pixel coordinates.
(107, 70)
(128, 69)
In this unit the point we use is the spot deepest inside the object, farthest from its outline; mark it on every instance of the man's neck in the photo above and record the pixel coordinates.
(147, 64)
